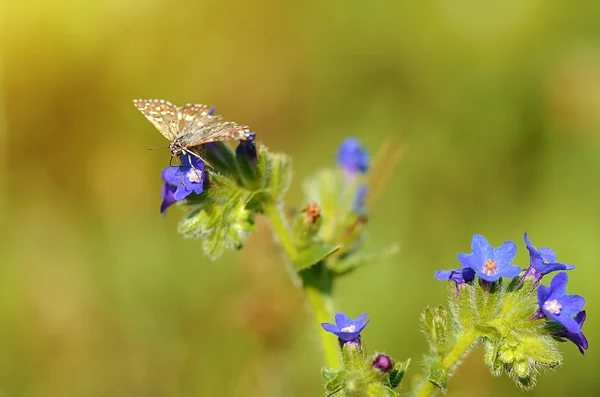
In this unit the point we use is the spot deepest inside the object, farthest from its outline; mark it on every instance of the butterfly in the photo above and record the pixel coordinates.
(188, 126)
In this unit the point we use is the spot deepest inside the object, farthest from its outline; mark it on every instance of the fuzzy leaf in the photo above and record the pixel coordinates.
(379, 390)
(278, 174)
(436, 327)
(313, 255)
(438, 375)
(335, 384)
(328, 374)
(222, 227)
(488, 331)
(397, 373)
(222, 188)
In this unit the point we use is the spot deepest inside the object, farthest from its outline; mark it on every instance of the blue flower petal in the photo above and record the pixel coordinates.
(353, 157)
(506, 252)
(329, 327)
(468, 260)
(342, 320)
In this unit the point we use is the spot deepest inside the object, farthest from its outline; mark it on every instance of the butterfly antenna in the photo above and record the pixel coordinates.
(157, 147)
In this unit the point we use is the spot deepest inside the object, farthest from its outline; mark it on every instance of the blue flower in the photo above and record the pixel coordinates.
(211, 112)
(181, 181)
(488, 262)
(556, 305)
(168, 195)
(576, 337)
(247, 148)
(353, 157)
(542, 261)
(346, 329)
(460, 275)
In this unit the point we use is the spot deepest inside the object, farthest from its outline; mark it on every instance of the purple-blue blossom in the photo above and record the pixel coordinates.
(181, 181)
(578, 338)
(488, 262)
(353, 157)
(460, 275)
(345, 328)
(247, 147)
(556, 305)
(542, 261)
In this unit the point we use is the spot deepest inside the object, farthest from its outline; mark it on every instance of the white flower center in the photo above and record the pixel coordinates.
(350, 328)
(552, 306)
(194, 175)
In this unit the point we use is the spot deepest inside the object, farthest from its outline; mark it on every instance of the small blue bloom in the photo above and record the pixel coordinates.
(542, 261)
(211, 112)
(576, 337)
(353, 157)
(247, 148)
(488, 262)
(168, 195)
(460, 275)
(346, 329)
(181, 181)
(558, 306)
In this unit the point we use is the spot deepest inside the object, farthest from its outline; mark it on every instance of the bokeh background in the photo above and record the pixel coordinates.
(497, 106)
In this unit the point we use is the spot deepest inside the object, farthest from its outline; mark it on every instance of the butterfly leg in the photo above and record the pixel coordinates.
(198, 156)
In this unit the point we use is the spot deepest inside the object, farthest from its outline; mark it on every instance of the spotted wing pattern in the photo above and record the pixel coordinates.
(191, 125)
(162, 114)
(214, 132)
(199, 127)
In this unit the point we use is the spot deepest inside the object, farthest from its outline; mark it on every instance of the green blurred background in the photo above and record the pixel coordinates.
(497, 106)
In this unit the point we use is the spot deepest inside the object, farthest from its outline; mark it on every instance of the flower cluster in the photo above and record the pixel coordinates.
(190, 177)
(491, 264)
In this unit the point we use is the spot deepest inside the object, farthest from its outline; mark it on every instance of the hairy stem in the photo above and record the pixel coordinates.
(449, 362)
(316, 284)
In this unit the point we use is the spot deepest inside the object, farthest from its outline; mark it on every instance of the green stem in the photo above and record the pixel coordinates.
(315, 283)
(462, 345)
(322, 307)
(282, 230)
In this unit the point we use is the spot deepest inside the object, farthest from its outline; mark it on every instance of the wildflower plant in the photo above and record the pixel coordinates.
(491, 301)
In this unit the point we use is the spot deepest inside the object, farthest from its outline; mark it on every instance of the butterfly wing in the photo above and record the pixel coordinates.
(214, 132)
(194, 117)
(162, 114)
(199, 127)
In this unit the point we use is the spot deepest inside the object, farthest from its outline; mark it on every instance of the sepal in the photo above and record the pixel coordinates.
(397, 373)
(436, 327)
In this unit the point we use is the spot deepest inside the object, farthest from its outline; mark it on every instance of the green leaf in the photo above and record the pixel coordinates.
(256, 199)
(222, 188)
(435, 325)
(379, 390)
(313, 255)
(328, 374)
(277, 173)
(222, 227)
(397, 373)
(438, 375)
(335, 384)
(488, 331)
